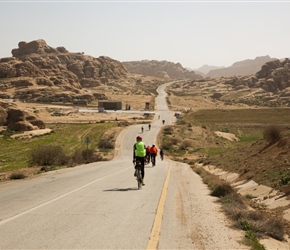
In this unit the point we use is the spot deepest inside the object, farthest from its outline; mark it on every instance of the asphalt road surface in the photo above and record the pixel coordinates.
(98, 205)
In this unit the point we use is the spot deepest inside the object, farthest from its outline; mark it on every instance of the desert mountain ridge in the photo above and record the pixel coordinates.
(177, 71)
(39, 73)
(207, 68)
(162, 69)
(269, 87)
(241, 68)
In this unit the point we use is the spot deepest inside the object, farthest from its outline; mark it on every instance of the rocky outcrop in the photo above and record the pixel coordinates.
(269, 87)
(242, 68)
(18, 120)
(274, 77)
(38, 71)
(161, 69)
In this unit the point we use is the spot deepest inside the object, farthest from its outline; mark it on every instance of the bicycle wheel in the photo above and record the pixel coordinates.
(139, 179)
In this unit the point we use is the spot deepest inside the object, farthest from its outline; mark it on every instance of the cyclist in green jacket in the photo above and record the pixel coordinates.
(139, 153)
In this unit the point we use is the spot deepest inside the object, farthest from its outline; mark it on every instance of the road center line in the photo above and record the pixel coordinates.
(155, 232)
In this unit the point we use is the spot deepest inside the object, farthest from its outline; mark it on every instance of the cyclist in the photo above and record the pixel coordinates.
(163, 121)
(161, 154)
(153, 153)
(147, 159)
(142, 129)
(139, 153)
(149, 126)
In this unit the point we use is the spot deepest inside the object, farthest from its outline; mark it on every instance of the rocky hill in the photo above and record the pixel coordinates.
(242, 68)
(269, 87)
(161, 69)
(207, 68)
(40, 73)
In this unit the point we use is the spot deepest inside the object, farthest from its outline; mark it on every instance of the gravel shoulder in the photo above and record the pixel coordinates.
(192, 218)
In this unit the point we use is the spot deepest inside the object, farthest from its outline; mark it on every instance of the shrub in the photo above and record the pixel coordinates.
(7, 133)
(106, 144)
(272, 134)
(87, 155)
(222, 190)
(185, 144)
(48, 155)
(17, 176)
(168, 131)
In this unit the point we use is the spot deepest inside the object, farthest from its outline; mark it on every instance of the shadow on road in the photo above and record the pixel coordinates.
(121, 189)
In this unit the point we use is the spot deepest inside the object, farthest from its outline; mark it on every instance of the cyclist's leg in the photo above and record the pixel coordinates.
(142, 159)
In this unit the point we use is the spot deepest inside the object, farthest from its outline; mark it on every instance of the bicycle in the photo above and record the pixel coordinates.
(153, 160)
(147, 159)
(138, 174)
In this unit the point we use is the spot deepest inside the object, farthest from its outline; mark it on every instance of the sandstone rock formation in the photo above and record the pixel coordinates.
(18, 120)
(242, 68)
(269, 87)
(40, 73)
(160, 68)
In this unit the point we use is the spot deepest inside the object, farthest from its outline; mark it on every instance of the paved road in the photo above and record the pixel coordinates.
(98, 205)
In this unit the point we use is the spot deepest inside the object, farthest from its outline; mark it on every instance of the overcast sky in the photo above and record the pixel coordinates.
(193, 33)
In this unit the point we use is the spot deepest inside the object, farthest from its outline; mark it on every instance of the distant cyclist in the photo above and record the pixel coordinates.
(139, 153)
(142, 129)
(161, 154)
(149, 126)
(163, 121)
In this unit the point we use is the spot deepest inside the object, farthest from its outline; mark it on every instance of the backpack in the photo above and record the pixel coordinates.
(153, 150)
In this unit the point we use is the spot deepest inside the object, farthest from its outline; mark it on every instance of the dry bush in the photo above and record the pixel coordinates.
(222, 190)
(48, 155)
(76, 157)
(273, 133)
(185, 144)
(81, 156)
(168, 131)
(17, 176)
(106, 143)
(273, 228)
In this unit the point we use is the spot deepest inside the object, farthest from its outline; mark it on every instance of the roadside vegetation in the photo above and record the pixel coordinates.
(66, 146)
(263, 134)
(255, 223)
(261, 153)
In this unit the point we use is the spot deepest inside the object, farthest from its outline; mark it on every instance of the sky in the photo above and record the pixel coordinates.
(192, 33)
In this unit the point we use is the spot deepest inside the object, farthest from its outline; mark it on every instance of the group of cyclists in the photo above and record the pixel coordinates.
(145, 154)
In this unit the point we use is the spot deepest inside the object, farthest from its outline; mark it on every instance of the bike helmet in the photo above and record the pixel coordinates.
(139, 138)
